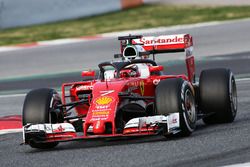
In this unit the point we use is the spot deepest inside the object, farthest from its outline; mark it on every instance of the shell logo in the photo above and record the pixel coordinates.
(105, 100)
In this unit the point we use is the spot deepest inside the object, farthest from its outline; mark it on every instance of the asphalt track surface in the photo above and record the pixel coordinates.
(215, 145)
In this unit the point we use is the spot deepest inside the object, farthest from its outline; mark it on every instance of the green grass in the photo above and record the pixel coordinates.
(146, 16)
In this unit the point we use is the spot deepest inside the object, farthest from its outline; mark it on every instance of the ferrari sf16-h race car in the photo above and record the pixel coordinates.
(131, 98)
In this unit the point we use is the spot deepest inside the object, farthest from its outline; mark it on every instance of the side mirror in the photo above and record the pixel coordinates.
(156, 68)
(88, 73)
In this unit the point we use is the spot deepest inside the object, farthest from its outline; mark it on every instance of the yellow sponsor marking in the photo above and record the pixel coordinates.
(100, 113)
(104, 100)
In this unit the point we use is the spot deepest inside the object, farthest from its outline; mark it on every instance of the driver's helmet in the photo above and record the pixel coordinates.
(134, 71)
(130, 71)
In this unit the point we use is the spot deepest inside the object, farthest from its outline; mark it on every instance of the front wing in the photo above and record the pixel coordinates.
(136, 127)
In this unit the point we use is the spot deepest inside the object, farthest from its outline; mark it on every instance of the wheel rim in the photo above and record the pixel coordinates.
(190, 106)
(233, 97)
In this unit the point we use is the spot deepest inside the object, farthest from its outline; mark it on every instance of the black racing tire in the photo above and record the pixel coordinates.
(38, 109)
(176, 96)
(119, 121)
(218, 96)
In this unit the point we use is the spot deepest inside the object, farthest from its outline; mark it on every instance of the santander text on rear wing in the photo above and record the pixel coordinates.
(165, 43)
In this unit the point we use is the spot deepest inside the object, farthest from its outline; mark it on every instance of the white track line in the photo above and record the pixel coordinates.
(239, 165)
(61, 41)
(243, 79)
(6, 131)
(12, 95)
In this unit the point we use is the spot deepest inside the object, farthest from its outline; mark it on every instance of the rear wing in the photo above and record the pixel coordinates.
(165, 44)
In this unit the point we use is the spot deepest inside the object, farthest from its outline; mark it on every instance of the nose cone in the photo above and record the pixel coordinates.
(98, 127)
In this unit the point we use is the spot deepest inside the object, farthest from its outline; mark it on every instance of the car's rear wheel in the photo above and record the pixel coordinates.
(218, 95)
(39, 108)
(176, 96)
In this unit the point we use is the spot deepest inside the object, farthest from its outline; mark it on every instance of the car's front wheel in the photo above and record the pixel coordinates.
(176, 96)
(39, 108)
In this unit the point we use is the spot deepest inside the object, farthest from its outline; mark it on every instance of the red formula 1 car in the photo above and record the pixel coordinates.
(131, 97)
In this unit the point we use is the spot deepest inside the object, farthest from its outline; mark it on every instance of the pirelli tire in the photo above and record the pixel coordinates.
(177, 96)
(39, 108)
(218, 95)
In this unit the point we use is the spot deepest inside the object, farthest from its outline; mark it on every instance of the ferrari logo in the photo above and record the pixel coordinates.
(142, 87)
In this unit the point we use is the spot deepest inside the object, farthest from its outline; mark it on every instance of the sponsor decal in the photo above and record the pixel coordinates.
(173, 120)
(142, 87)
(84, 87)
(98, 113)
(50, 128)
(156, 81)
(104, 100)
(162, 40)
(135, 83)
(106, 92)
(98, 119)
(102, 107)
(59, 129)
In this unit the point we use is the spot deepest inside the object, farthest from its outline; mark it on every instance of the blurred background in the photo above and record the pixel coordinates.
(28, 21)
(14, 13)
